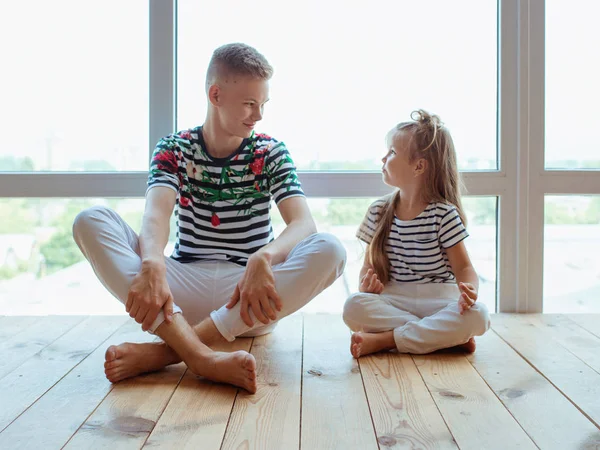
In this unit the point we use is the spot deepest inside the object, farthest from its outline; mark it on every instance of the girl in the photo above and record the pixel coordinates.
(418, 289)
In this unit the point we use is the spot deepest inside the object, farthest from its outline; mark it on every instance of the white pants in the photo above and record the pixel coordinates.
(203, 288)
(424, 317)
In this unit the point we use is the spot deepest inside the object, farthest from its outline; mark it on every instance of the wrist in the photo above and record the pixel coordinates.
(263, 254)
(153, 263)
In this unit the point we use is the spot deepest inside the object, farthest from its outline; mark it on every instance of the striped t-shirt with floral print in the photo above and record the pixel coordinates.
(223, 204)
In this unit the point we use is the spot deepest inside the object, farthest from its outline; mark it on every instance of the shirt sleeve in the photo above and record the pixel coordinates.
(367, 228)
(164, 166)
(452, 231)
(283, 180)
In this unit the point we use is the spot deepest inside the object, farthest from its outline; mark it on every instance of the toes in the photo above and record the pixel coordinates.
(111, 353)
(249, 363)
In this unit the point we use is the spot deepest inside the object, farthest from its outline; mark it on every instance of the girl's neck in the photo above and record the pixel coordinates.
(411, 204)
(219, 143)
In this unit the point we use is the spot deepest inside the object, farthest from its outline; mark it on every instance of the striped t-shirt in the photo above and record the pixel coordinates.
(416, 248)
(223, 207)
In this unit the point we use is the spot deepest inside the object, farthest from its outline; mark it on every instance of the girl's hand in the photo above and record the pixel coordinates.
(468, 296)
(370, 283)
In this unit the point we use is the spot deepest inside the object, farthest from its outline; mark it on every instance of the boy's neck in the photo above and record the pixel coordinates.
(219, 143)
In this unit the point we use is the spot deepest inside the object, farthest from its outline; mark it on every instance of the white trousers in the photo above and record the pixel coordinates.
(203, 288)
(424, 317)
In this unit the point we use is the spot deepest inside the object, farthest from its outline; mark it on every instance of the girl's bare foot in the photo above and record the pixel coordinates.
(362, 343)
(467, 347)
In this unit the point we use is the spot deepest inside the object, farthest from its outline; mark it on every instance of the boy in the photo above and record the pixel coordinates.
(227, 274)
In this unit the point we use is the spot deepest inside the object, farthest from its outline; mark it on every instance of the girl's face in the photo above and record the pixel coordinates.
(398, 171)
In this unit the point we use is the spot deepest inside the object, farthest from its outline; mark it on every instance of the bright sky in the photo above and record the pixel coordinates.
(75, 75)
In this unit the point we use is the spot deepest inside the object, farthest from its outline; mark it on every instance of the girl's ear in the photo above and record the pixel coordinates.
(420, 166)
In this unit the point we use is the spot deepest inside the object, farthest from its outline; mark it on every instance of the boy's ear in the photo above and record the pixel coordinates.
(421, 166)
(214, 94)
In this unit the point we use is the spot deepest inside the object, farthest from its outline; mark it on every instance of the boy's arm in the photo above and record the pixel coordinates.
(256, 289)
(149, 291)
(299, 225)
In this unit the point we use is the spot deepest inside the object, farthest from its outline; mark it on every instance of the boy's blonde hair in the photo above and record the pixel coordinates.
(429, 140)
(237, 59)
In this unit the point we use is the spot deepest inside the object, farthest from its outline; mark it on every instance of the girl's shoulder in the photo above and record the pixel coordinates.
(379, 204)
(443, 207)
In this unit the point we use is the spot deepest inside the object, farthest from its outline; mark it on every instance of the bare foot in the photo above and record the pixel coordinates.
(237, 368)
(362, 343)
(467, 347)
(129, 360)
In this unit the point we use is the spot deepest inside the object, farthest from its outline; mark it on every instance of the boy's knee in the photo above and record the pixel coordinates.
(331, 251)
(87, 219)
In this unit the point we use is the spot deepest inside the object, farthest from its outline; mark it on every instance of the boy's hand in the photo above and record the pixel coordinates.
(256, 292)
(370, 283)
(468, 296)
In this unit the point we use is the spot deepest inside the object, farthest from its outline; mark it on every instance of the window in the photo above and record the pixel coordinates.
(347, 72)
(572, 89)
(571, 248)
(74, 86)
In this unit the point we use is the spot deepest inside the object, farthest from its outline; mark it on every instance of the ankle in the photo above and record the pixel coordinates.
(208, 333)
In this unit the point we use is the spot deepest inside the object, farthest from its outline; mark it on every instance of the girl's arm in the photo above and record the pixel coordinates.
(368, 280)
(466, 277)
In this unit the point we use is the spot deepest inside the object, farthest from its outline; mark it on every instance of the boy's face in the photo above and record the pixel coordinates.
(240, 104)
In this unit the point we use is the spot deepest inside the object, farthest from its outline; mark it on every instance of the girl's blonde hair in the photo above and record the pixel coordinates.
(430, 141)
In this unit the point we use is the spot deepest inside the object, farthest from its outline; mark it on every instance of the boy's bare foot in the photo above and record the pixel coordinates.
(129, 360)
(362, 343)
(237, 368)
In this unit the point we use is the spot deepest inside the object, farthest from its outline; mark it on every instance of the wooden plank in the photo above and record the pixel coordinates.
(127, 415)
(24, 385)
(62, 410)
(335, 413)
(404, 413)
(579, 341)
(475, 416)
(18, 349)
(565, 371)
(590, 322)
(10, 326)
(548, 417)
(270, 419)
(199, 411)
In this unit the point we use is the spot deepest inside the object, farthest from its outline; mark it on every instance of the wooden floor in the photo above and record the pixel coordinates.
(534, 382)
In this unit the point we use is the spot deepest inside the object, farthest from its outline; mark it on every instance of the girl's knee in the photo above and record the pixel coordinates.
(479, 318)
(355, 310)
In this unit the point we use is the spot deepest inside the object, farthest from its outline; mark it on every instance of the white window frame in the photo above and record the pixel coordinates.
(521, 183)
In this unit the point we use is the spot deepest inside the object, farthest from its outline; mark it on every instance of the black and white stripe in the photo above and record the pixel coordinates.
(416, 248)
(227, 188)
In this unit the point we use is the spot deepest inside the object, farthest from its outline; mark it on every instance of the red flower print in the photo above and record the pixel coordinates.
(185, 135)
(214, 220)
(184, 201)
(262, 136)
(257, 166)
(256, 186)
(166, 160)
